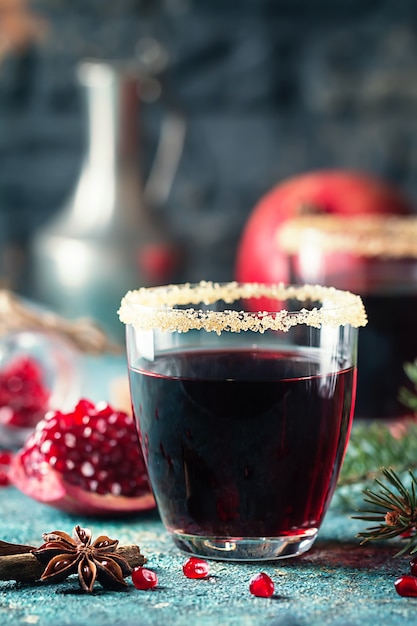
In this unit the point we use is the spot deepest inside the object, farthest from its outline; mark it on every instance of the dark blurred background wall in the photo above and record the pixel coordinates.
(268, 89)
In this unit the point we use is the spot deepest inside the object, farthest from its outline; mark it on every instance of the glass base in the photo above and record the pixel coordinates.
(246, 548)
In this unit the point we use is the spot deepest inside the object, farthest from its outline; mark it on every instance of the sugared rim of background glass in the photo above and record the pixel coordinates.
(388, 236)
(154, 308)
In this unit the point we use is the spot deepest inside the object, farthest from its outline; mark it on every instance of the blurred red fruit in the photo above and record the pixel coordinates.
(259, 255)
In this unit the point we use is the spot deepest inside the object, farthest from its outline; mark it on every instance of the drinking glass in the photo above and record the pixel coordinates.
(376, 257)
(243, 395)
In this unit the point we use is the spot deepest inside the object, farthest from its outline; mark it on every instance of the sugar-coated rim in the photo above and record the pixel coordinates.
(365, 235)
(153, 308)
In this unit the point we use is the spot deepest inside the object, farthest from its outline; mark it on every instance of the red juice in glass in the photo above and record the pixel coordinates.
(250, 442)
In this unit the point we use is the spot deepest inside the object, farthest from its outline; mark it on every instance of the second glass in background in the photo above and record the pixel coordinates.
(376, 257)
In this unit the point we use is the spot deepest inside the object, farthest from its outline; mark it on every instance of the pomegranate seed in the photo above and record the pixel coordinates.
(261, 585)
(144, 578)
(196, 568)
(406, 586)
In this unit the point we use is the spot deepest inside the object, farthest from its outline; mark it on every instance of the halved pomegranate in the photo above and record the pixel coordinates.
(86, 462)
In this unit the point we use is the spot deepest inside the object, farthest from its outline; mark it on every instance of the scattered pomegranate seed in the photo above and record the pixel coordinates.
(196, 568)
(144, 578)
(406, 586)
(261, 585)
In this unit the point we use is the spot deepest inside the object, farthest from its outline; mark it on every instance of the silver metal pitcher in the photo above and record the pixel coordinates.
(105, 239)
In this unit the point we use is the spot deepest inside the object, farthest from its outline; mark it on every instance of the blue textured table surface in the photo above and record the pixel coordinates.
(338, 582)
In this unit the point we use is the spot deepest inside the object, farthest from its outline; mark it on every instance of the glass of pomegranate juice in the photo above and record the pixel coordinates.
(374, 256)
(243, 396)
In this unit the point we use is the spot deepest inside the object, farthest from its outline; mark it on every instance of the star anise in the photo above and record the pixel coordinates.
(64, 555)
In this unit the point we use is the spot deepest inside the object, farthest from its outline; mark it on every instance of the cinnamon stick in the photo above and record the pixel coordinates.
(26, 568)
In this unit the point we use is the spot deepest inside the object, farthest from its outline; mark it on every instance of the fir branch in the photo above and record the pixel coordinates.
(374, 446)
(407, 397)
(394, 507)
(411, 371)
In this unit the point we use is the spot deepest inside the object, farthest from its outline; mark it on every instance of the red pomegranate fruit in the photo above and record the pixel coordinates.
(86, 462)
(259, 256)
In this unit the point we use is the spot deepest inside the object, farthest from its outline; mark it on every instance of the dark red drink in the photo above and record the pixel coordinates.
(374, 256)
(389, 292)
(242, 443)
(385, 345)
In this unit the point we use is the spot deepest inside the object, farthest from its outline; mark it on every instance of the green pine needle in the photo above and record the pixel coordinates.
(383, 463)
(406, 396)
(394, 507)
(372, 447)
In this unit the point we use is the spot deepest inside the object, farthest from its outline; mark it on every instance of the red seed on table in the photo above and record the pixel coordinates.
(261, 585)
(196, 568)
(144, 578)
(406, 586)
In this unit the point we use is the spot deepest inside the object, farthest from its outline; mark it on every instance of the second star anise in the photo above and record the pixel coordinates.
(64, 555)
